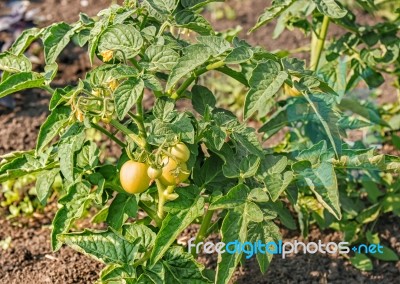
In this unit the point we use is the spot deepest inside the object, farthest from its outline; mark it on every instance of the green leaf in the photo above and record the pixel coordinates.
(202, 98)
(195, 56)
(116, 273)
(265, 82)
(126, 95)
(55, 40)
(12, 63)
(71, 143)
(234, 228)
(163, 7)
(239, 55)
(265, 232)
(367, 111)
(161, 57)
(218, 45)
(196, 4)
(387, 255)
(24, 40)
(369, 214)
(181, 267)
(330, 8)
(22, 165)
(88, 157)
(173, 224)
(124, 40)
(215, 137)
(323, 183)
(108, 247)
(193, 21)
(362, 262)
(277, 8)
(20, 81)
(328, 120)
(235, 197)
(121, 205)
(133, 232)
(44, 183)
(164, 109)
(54, 123)
(210, 174)
(73, 206)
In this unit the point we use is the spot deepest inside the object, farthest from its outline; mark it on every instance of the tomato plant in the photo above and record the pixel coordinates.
(207, 164)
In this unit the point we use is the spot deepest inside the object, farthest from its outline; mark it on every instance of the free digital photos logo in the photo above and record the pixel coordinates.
(249, 249)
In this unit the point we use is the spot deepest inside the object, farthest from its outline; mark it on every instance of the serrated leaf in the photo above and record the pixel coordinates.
(323, 183)
(234, 228)
(277, 8)
(107, 247)
(265, 232)
(73, 206)
(147, 237)
(44, 183)
(181, 267)
(88, 157)
(52, 126)
(126, 95)
(265, 82)
(239, 55)
(193, 21)
(121, 205)
(202, 98)
(235, 197)
(163, 7)
(195, 56)
(116, 273)
(218, 45)
(328, 119)
(72, 142)
(55, 40)
(330, 8)
(24, 40)
(164, 109)
(20, 81)
(161, 57)
(12, 63)
(124, 40)
(173, 224)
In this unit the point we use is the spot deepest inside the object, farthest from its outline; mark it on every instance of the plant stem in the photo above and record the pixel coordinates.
(319, 45)
(132, 135)
(161, 199)
(152, 214)
(139, 122)
(205, 224)
(196, 74)
(109, 134)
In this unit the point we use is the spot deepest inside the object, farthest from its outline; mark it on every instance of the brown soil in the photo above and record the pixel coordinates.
(30, 259)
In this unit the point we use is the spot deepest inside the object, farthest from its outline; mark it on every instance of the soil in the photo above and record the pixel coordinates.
(30, 259)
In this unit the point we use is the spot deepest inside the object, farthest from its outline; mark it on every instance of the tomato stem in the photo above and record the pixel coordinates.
(140, 141)
(152, 214)
(319, 45)
(202, 234)
(161, 199)
(109, 134)
(196, 74)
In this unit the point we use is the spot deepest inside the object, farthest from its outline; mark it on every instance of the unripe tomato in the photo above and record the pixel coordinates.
(173, 173)
(154, 173)
(133, 177)
(181, 152)
(291, 91)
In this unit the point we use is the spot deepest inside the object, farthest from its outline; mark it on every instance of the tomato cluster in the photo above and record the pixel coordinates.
(136, 177)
